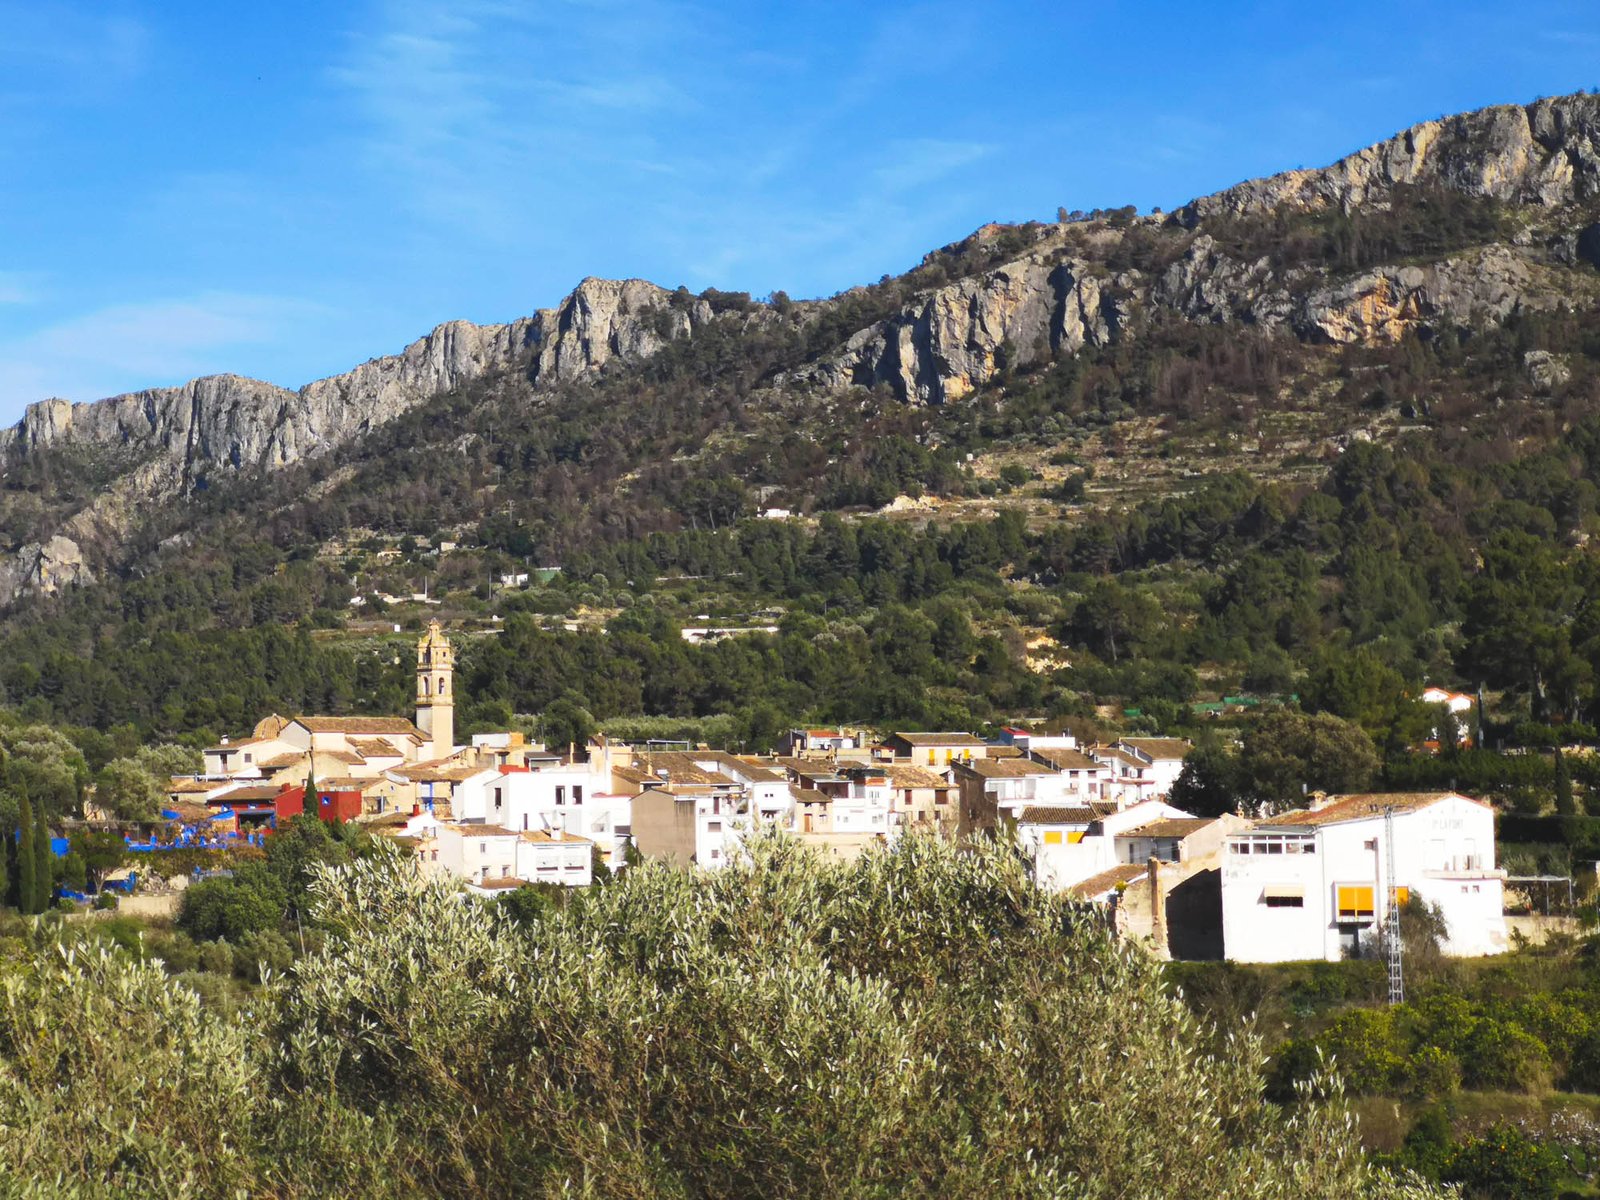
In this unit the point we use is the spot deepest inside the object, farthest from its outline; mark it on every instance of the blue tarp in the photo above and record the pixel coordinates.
(59, 847)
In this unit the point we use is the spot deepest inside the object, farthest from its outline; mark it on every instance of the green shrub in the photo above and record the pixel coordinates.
(1432, 1073)
(1505, 1164)
(1367, 1051)
(1503, 1057)
(217, 958)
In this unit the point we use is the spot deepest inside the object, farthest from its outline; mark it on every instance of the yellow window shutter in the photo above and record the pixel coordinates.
(1402, 895)
(1355, 901)
(1052, 837)
(1074, 838)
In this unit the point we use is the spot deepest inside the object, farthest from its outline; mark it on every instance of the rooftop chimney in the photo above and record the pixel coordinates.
(1158, 910)
(1317, 801)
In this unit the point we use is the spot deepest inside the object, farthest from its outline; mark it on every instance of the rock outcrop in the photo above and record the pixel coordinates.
(178, 436)
(954, 339)
(47, 568)
(1547, 153)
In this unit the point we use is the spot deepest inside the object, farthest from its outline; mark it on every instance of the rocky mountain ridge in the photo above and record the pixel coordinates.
(176, 436)
(1014, 296)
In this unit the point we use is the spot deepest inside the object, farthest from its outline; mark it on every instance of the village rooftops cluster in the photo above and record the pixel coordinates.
(1092, 820)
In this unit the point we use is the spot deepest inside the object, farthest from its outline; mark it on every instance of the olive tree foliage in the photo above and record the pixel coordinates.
(920, 1022)
(114, 1081)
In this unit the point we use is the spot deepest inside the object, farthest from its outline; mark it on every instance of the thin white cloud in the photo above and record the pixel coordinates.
(128, 347)
(18, 288)
(918, 162)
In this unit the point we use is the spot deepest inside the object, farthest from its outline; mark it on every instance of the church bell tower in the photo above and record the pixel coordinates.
(436, 700)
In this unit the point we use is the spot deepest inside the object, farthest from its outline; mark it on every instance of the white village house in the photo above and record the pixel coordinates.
(1313, 884)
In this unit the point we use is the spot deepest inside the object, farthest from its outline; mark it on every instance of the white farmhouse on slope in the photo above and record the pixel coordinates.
(1313, 884)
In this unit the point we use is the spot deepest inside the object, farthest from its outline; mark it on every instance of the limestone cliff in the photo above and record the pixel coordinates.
(956, 338)
(1547, 153)
(178, 436)
(1005, 297)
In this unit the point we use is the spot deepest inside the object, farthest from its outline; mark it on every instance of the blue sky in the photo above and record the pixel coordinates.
(284, 190)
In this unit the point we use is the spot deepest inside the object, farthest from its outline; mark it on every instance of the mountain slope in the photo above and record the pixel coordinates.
(1452, 224)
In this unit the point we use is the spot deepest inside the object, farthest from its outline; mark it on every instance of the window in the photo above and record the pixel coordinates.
(444, 685)
(1052, 837)
(499, 798)
(483, 847)
(577, 793)
(247, 757)
(435, 856)
(561, 794)
(1355, 902)
(1074, 838)
(1402, 896)
(1286, 901)
(713, 826)
(504, 871)
(714, 854)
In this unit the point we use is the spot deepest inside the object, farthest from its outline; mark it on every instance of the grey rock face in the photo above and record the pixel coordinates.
(48, 568)
(954, 339)
(1546, 153)
(226, 423)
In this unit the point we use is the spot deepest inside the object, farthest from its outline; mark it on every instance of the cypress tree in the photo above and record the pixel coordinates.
(25, 856)
(44, 885)
(1565, 805)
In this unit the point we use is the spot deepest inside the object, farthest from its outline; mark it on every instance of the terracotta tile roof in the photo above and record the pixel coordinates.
(184, 787)
(375, 748)
(633, 775)
(343, 756)
(435, 772)
(1111, 754)
(1065, 759)
(1099, 885)
(190, 813)
(681, 767)
(1007, 768)
(504, 884)
(1359, 807)
(279, 761)
(811, 796)
(1160, 747)
(473, 829)
(347, 783)
(1170, 827)
(357, 725)
(230, 746)
(546, 836)
(941, 739)
(250, 795)
(1076, 814)
(902, 776)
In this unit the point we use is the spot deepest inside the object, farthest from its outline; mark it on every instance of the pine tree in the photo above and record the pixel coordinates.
(43, 863)
(25, 857)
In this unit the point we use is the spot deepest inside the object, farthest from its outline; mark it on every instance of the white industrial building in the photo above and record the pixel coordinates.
(1314, 884)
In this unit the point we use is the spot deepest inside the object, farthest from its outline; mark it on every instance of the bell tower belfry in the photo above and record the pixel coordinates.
(436, 699)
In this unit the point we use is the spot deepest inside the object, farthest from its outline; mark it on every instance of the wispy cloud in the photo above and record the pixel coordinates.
(18, 288)
(470, 107)
(129, 346)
